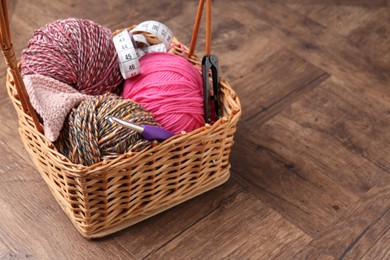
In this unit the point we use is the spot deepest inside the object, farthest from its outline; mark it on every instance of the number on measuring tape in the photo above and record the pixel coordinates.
(161, 31)
(129, 54)
(128, 60)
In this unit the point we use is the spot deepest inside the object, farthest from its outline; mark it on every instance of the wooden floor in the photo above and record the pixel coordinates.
(310, 174)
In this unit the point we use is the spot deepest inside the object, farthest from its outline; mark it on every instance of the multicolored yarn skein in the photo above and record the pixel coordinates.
(74, 51)
(88, 136)
(171, 88)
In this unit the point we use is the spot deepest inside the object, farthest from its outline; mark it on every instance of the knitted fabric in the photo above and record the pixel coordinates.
(53, 100)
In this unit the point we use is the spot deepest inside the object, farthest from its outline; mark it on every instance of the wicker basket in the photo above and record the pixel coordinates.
(111, 195)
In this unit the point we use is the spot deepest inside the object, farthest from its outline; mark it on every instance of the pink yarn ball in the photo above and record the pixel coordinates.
(171, 88)
(77, 52)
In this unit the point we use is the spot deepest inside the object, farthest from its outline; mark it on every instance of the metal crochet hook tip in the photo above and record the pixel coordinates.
(127, 124)
(149, 132)
(109, 118)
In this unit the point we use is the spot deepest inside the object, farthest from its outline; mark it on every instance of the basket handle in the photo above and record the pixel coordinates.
(196, 27)
(10, 60)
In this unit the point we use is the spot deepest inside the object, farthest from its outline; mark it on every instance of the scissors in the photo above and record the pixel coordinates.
(210, 63)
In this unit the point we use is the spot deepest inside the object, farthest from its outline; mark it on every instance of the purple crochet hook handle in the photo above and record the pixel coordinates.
(149, 132)
(156, 133)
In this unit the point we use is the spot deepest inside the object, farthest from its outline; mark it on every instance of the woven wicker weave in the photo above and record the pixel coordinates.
(111, 195)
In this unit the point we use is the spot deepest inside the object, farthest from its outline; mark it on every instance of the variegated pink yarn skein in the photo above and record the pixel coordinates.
(77, 52)
(171, 88)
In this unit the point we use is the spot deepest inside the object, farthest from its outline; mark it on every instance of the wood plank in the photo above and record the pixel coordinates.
(9, 134)
(366, 3)
(13, 162)
(5, 252)
(381, 249)
(255, 51)
(353, 229)
(240, 48)
(376, 235)
(338, 17)
(348, 115)
(152, 234)
(280, 79)
(307, 162)
(373, 38)
(242, 227)
(303, 195)
(313, 42)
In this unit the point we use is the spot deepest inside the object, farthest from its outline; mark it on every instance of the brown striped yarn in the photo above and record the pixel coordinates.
(89, 137)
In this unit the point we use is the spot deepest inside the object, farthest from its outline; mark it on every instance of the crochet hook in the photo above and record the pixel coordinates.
(149, 132)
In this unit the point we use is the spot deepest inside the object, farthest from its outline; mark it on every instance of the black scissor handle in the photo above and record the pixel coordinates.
(210, 63)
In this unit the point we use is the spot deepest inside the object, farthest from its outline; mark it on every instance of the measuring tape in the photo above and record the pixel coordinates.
(129, 54)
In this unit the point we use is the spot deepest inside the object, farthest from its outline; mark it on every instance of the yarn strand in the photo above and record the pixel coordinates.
(171, 88)
(74, 51)
(88, 137)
